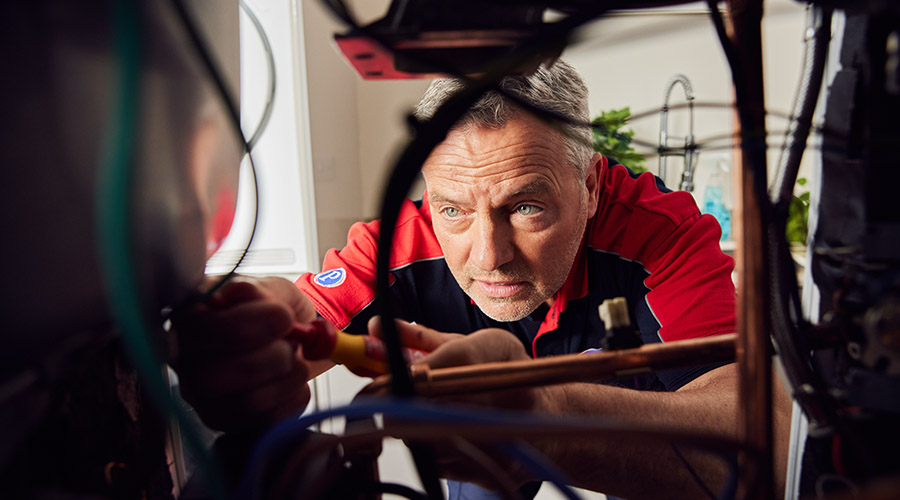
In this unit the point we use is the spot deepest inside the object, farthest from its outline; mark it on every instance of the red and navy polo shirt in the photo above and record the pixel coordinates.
(646, 243)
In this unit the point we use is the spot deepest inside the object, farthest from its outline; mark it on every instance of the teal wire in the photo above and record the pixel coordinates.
(115, 181)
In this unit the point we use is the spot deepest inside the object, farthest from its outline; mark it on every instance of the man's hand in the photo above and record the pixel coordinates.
(236, 362)
(452, 349)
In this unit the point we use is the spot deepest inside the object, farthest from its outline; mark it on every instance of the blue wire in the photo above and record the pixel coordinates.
(730, 488)
(536, 463)
(286, 434)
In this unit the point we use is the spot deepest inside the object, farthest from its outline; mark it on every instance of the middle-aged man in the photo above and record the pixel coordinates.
(521, 234)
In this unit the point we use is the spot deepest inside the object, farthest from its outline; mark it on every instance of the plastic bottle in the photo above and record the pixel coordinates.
(716, 198)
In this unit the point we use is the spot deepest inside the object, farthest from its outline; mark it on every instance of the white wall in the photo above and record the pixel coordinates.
(383, 108)
(357, 127)
(333, 127)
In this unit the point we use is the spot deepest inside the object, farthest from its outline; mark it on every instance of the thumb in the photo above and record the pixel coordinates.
(413, 335)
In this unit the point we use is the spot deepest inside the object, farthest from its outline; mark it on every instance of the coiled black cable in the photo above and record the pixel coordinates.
(788, 324)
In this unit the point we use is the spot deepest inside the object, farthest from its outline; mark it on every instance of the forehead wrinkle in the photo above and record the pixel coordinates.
(528, 155)
(491, 163)
(481, 143)
(473, 163)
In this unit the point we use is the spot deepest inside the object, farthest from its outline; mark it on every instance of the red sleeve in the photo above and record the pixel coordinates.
(691, 293)
(346, 284)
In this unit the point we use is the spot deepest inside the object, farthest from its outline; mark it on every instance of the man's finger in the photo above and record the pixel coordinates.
(412, 335)
(483, 346)
(302, 307)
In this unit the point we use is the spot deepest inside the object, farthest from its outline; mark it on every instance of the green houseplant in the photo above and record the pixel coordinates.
(611, 140)
(798, 217)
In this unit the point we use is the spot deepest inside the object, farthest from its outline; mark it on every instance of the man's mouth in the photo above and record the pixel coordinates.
(501, 289)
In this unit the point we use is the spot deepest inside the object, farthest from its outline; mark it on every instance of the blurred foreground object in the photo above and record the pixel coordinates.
(423, 38)
(97, 83)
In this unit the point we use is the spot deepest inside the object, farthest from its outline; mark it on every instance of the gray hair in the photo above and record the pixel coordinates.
(558, 89)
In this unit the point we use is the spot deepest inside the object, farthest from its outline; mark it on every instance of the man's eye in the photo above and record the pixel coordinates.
(527, 210)
(450, 212)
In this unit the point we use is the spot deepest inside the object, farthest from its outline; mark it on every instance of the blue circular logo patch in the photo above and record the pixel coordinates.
(332, 278)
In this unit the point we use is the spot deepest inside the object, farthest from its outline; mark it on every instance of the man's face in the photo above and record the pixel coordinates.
(509, 211)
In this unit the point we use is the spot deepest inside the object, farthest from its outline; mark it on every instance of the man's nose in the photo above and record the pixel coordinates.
(492, 246)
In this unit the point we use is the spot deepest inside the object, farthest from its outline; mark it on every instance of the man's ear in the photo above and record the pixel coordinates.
(592, 182)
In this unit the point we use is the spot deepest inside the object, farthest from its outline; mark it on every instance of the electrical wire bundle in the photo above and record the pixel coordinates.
(478, 435)
(114, 181)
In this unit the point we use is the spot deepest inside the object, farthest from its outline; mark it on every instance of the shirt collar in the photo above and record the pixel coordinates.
(575, 287)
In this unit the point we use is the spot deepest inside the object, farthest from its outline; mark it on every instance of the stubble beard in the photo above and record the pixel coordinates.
(505, 309)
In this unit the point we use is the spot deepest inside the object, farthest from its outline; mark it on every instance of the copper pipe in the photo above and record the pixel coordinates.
(589, 367)
(753, 348)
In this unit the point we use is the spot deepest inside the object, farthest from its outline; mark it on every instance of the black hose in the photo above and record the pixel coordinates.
(804, 103)
(270, 66)
(787, 318)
